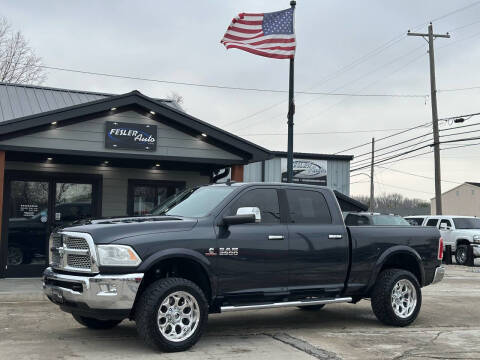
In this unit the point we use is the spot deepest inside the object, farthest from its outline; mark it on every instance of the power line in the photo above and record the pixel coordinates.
(324, 132)
(390, 158)
(416, 175)
(459, 127)
(357, 163)
(460, 133)
(403, 188)
(459, 89)
(386, 137)
(393, 145)
(468, 116)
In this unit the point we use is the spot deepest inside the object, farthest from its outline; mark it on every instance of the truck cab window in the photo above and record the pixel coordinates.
(308, 207)
(265, 199)
(432, 222)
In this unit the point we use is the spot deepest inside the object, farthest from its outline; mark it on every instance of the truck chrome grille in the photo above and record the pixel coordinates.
(75, 243)
(79, 261)
(73, 252)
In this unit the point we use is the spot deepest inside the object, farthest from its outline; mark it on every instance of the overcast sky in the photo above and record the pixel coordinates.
(180, 41)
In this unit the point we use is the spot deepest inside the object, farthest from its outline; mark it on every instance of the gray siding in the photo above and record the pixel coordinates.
(252, 172)
(115, 180)
(338, 176)
(90, 136)
(338, 173)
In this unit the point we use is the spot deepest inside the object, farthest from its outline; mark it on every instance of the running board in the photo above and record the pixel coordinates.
(285, 304)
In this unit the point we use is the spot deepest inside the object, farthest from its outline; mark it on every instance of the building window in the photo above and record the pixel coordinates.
(458, 193)
(145, 195)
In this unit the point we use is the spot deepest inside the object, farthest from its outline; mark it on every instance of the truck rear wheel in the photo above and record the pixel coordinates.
(171, 314)
(96, 324)
(396, 297)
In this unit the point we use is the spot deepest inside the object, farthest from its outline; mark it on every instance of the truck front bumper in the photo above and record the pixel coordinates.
(476, 250)
(439, 274)
(92, 294)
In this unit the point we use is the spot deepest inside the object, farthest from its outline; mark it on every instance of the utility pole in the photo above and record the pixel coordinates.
(372, 190)
(433, 90)
(291, 111)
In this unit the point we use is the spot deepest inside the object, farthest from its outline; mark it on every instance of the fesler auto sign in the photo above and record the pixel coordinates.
(307, 171)
(119, 135)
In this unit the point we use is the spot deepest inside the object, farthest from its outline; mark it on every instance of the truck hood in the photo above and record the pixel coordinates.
(105, 231)
(466, 233)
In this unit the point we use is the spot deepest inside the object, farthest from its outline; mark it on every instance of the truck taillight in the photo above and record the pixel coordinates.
(440, 249)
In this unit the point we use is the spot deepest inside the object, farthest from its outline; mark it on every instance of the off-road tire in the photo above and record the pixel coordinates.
(381, 298)
(311, 307)
(96, 324)
(461, 260)
(147, 309)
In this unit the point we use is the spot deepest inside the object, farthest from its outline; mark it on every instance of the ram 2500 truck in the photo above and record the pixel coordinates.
(232, 247)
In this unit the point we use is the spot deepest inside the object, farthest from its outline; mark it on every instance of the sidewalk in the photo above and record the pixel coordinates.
(21, 290)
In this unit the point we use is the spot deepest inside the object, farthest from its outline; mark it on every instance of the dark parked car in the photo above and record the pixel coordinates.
(236, 247)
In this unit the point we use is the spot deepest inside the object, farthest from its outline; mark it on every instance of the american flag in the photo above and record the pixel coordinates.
(265, 34)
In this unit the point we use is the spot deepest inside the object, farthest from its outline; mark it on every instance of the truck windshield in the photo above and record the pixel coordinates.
(389, 220)
(466, 223)
(194, 202)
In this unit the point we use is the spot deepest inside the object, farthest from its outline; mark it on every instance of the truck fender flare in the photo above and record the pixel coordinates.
(182, 253)
(386, 255)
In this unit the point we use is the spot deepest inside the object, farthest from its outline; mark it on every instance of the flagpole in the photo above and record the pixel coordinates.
(291, 111)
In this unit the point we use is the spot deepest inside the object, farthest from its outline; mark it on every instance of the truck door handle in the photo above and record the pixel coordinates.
(276, 237)
(335, 236)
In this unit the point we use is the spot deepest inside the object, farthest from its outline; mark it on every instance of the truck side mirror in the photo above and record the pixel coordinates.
(444, 226)
(250, 210)
(238, 219)
(245, 215)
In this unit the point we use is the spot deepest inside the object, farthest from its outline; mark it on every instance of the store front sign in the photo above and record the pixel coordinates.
(119, 135)
(306, 171)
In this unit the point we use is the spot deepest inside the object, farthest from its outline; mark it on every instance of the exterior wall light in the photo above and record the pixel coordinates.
(157, 165)
(152, 112)
(113, 109)
(49, 159)
(53, 123)
(204, 135)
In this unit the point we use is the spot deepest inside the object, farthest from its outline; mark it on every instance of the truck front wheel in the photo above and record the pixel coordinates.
(96, 324)
(396, 297)
(461, 254)
(171, 314)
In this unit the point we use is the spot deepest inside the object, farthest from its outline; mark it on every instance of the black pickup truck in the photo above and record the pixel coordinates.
(232, 247)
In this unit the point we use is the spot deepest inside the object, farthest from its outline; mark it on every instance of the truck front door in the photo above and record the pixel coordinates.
(253, 258)
(318, 243)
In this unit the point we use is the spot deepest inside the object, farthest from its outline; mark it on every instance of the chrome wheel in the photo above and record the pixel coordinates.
(462, 255)
(404, 298)
(178, 316)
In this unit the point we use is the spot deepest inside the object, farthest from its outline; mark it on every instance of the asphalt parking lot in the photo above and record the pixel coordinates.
(448, 327)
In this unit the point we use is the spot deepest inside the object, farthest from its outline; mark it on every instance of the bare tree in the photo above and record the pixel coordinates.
(18, 62)
(176, 97)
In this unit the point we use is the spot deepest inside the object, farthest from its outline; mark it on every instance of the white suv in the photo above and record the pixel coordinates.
(457, 231)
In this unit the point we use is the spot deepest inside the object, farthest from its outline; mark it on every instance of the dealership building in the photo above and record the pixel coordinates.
(67, 155)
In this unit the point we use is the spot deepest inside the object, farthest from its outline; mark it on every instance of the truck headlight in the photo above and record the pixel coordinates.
(476, 239)
(117, 255)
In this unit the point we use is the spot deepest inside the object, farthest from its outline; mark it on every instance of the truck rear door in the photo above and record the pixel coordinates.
(318, 243)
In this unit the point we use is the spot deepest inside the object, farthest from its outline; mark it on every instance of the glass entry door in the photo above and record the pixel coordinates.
(35, 205)
(73, 202)
(28, 226)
